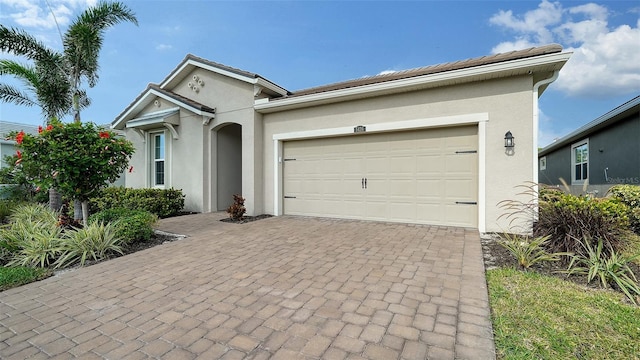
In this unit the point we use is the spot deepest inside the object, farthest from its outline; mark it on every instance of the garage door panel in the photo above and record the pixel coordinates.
(399, 210)
(429, 188)
(429, 163)
(376, 210)
(460, 189)
(402, 165)
(429, 211)
(412, 176)
(458, 214)
(401, 188)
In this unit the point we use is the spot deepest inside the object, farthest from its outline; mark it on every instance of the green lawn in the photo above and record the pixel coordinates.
(541, 317)
(16, 276)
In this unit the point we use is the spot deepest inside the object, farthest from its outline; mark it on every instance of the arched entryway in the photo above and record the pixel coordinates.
(229, 164)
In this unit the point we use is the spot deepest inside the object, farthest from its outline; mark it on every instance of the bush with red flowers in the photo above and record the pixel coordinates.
(76, 158)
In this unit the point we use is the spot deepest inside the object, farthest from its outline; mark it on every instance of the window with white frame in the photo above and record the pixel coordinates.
(158, 161)
(580, 162)
(543, 163)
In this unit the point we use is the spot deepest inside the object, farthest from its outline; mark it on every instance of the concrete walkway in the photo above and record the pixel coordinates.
(279, 288)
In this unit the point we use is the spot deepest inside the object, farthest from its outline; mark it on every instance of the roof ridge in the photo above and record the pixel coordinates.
(432, 69)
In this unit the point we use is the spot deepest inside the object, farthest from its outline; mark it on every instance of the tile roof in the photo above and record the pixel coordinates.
(7, 127)
(432, 69)
(227, 68)
(180, 98)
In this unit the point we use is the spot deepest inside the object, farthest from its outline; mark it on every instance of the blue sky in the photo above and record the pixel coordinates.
(300, 44)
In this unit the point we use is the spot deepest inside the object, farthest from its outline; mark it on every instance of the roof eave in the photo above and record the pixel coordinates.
(507, 68)
(189, 64)
(120, 122)
(611, 117)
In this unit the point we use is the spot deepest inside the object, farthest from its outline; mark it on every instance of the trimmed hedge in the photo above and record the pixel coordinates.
(161, 202)
(131, 225)
(630, 196)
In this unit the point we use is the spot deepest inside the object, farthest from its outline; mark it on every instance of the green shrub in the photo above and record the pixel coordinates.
(528, 251)
(32, 243)
(96, 241)
(630, 196)
(130, 225)
(567, 218)
(34, 213)
(612, 269)
(162, 202)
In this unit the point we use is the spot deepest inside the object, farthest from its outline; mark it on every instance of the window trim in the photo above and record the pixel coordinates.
(575, 181)
(543, 163)
(153, 160)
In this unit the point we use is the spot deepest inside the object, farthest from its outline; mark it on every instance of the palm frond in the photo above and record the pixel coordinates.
(106, 14)
(10, 94)
(20, 71)
(83, 40)
(21, 43)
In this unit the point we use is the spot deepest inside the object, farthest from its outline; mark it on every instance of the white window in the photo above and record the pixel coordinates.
(543, 163)
(580, 162)
(158, 164)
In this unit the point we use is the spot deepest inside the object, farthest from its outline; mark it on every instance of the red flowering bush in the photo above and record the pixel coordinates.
(75, 158)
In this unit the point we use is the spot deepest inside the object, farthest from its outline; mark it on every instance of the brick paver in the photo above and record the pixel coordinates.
(280, 288)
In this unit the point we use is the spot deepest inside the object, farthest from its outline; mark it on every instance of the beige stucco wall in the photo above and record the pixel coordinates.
(233, 100)
(191, 159)
(508, 102)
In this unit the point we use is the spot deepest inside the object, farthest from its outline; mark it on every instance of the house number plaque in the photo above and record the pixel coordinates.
(359, 128)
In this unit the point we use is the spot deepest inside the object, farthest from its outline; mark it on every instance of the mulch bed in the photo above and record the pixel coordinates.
(156, 239)
(246, 219)
(496, 256)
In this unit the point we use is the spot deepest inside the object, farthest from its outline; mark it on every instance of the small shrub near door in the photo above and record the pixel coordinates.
(237, 210)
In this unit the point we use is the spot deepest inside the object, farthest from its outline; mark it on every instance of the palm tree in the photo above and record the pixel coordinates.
(82, 43)
(56, 78)
(44, 83)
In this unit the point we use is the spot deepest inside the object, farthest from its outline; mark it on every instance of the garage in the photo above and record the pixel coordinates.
(427, 176)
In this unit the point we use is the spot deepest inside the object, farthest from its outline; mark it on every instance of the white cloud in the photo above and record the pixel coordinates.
(164, 47)
(37, 14)
(386, 72)
(508, 46)
(534, 24)
(605, 61)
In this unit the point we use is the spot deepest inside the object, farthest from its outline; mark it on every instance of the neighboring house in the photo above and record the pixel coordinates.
(7, 146)
(424, 145)
(602, 153)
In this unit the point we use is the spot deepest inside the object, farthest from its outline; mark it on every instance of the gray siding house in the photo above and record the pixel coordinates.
(600, 154)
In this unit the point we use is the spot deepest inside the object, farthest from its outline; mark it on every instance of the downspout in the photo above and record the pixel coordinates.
(536, 120)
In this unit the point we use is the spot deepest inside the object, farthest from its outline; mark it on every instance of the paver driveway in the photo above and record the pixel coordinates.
(280, 288)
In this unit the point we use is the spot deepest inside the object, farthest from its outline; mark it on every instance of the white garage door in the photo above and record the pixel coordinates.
(421, 176)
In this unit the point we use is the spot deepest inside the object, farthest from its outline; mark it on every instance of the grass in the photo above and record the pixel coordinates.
(20, 275)
(542, 317)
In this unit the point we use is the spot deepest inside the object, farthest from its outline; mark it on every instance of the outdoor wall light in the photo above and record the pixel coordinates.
(508, 140)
